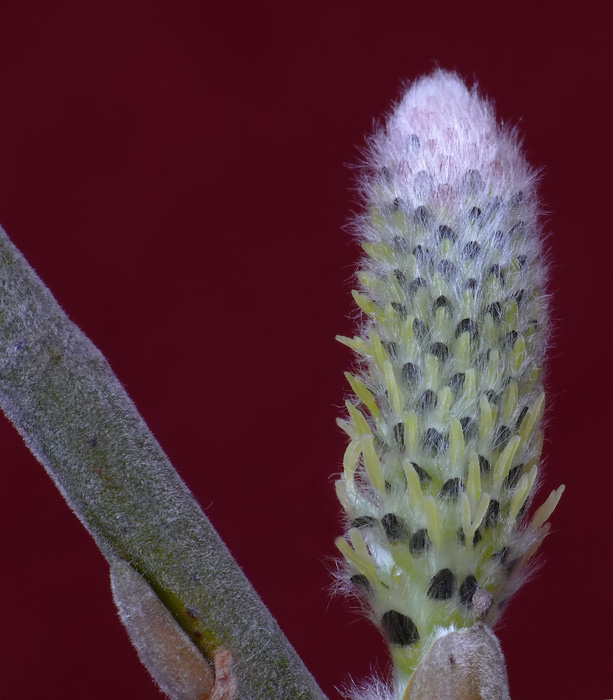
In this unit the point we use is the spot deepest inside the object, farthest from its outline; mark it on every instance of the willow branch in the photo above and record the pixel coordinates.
(62, 396)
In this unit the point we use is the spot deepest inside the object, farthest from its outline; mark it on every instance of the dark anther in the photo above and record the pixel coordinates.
(471, 283)
(468, 427)
(472, 181)
(399, 629)
(410, 373)
(502, 555)
(400, 309)
(360, 582)
(471, 249)
(423, 255)
(495, 203)
(379, 444)
(451, 489)
(441, 301)
(399, 435)
(416, 284)
(446, 268)
(498, 236)
(446, 232)
(517, 229)
(434, 441)
(423, 475)
(490, 394)
(395, 527)
(510, 338)
(519, 295)
(520, 417)
(502, 436)
(391, 348)
(420, 329)
(396, 203)
(492, 514)
(521, 260)
(474, 214)
(513, 476)
(484, 466)
(401, 244)
(495, 310)
(387, 176)
(477, 537)
(191, 613)
(468, 590)
(428, 400)
(442, 586)
(413, 141)
(422, 215)
(467, 325)
(399, 275)
(495, 271)
(420, 542)
(460, 537)
(456, 382)
(363, 521)
(440, 351)
(511, 566)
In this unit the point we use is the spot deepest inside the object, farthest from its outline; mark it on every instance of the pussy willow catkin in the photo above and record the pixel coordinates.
(444, 419)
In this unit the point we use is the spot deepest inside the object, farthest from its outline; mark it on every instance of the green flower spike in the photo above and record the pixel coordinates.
(447, 397)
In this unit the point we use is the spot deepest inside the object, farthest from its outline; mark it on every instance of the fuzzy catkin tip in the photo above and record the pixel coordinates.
(445, 418)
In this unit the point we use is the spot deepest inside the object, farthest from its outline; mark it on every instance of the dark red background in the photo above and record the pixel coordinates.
(176, 174)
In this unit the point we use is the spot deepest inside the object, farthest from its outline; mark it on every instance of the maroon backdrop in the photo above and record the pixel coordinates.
(176, 173)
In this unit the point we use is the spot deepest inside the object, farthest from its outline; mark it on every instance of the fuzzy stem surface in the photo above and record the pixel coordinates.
(74, 415)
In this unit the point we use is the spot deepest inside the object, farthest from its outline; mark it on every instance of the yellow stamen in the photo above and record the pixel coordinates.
(350, 458)
(503, 463)
(378, 351)
(347, 427)
(372, 463)
(524, 487)
(356, 344)
(394, 395)
(493, 368)
(340, 486)
(434, 527)
(445, 397)
(431, 378)
(411, 432)
(511, 317)
(367, 305)
(363, 393)
(470, 383)
(473, 485)
(462, 352)
(456, 443)
(510, 398)
(544, 512)
(481, 510)
(486, 420)
(361, 426)
(519, 352)
(530, 419)
(415, 492)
